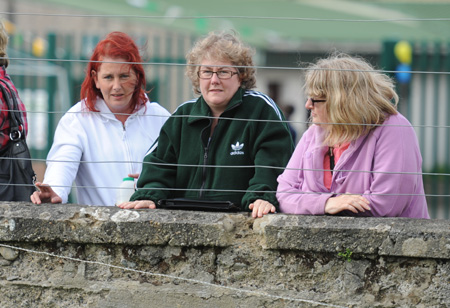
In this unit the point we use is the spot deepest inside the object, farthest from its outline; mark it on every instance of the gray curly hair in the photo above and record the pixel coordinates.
(222, 46)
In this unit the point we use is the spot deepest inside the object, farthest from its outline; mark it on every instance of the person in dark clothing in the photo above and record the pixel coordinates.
(4, 119)
(230, 144)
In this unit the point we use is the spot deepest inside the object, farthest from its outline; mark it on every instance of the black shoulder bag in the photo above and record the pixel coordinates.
(16, 172)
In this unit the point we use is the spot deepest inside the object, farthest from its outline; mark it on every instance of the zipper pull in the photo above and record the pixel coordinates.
(205, 156)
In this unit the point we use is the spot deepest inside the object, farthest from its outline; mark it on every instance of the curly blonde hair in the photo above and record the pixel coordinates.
(357, 96)
(3, 44)
(222, 46)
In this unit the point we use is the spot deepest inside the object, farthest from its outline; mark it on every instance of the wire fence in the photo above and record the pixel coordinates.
(172, 277)
(62, 112)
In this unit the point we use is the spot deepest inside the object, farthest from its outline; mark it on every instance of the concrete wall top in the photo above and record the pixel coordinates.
(25, 222)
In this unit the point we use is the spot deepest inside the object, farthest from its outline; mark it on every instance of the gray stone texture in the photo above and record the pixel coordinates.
(78, 256)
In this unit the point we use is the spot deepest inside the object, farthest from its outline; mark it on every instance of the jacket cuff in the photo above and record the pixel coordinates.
(144, 195)
(269, 197)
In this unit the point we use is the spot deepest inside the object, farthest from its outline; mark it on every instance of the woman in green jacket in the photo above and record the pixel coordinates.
(230, 144)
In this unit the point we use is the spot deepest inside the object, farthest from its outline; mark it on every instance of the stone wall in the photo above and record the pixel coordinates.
(78, 256)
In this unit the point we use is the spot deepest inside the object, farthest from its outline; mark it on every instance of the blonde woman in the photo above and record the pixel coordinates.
(360, 156)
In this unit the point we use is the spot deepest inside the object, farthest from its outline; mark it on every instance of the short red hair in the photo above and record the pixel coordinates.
(115, 45)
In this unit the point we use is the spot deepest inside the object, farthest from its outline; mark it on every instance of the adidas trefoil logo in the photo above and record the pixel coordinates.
(238, 146)
(237, 149)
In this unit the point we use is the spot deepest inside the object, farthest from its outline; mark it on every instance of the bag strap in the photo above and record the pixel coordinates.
(13, 106)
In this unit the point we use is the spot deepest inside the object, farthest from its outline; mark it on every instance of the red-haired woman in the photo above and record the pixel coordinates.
(105, 136)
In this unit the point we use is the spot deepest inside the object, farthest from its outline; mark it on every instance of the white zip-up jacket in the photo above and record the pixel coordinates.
(97, 151)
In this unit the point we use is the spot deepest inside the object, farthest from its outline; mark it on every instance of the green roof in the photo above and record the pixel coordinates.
(284, 24)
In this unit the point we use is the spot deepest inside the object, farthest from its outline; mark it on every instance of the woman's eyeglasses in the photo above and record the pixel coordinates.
(205, 74)
(313, 101)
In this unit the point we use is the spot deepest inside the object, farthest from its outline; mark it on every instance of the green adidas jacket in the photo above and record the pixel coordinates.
(236, 164)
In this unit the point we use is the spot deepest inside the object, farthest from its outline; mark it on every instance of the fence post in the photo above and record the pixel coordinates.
(435, 67)
(51, 89)
(68, 65)
(446, 184)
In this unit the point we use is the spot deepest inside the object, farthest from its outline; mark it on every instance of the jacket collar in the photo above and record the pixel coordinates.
(201, 110)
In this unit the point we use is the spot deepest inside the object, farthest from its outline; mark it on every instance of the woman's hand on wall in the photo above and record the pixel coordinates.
(354, 203)
(45, 194)
(261, 207)
(139, 204)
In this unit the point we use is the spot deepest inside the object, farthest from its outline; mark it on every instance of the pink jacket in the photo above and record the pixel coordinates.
(390, 151)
